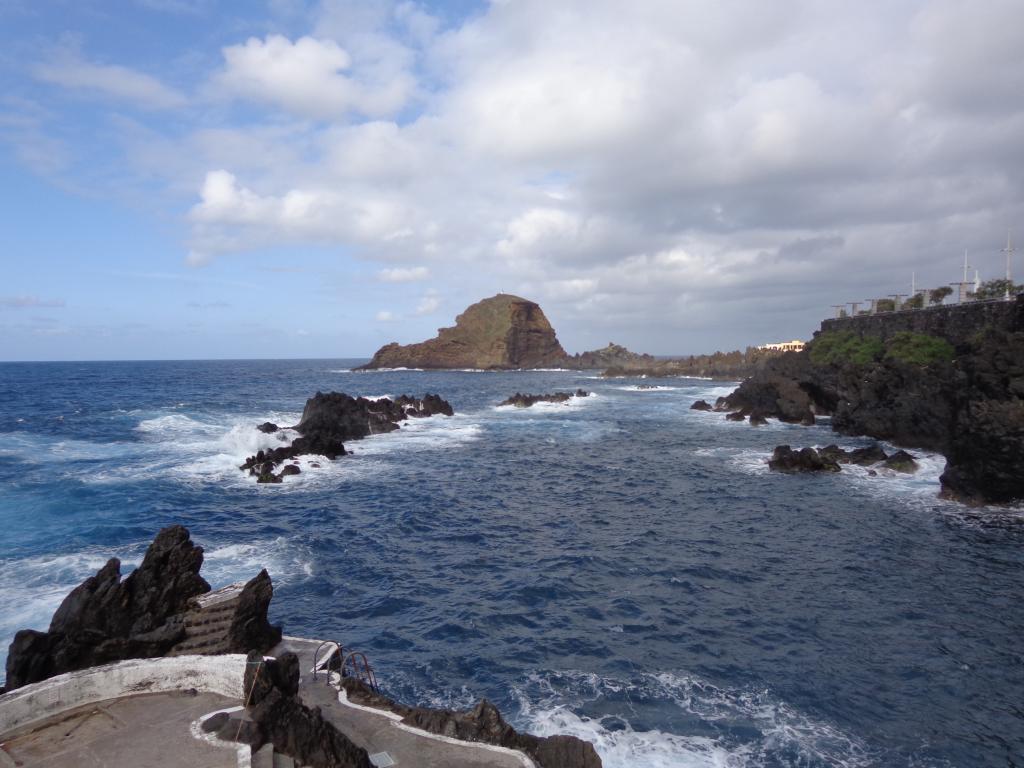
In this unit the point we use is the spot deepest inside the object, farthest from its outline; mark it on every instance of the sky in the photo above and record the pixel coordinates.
(191, 179)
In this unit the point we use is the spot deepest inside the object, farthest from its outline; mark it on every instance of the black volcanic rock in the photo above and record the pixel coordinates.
(249, 626)
(901, 461)
(701, 405)
(785, 459)
(483, 723)
(268, 427)
(331, 418)
(525, 401)
(106, 619)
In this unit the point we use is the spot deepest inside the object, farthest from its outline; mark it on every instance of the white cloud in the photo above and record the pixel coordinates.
(70, 71)
(305, 77)
(403, 274)
(385, 316)
(428, 304)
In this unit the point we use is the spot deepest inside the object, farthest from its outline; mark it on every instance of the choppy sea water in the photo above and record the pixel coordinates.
(621, 567)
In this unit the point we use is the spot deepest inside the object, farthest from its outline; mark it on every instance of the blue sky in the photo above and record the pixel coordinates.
(193, 179)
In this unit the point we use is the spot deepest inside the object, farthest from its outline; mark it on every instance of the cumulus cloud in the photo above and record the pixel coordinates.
(306, 77)
(385, 316)
(428, 304)
(70, 71)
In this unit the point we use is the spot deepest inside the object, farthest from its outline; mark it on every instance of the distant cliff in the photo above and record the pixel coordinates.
(502, 332)
(720, 365)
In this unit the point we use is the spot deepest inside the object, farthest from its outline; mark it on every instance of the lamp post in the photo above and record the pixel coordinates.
(1008, 250)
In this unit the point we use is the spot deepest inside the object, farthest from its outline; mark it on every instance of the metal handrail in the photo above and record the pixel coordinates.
(365, 674)
(316, 656)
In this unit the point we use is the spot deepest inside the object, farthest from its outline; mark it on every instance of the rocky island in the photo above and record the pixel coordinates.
(503, 332)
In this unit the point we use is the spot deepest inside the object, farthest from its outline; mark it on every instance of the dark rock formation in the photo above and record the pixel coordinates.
(700, 405)
(968, 405)
(525, 401)
(737, 416)
(757, 418)
(500, 332)
(785, 459)
(483, 723)
(106, 619)
(720, 365)
(862, 456)
(331, 418)
(277, 716)
(901, 461)
(612, 356)
(250, 628)
(268, 427)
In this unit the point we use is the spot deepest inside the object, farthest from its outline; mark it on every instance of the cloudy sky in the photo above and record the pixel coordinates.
(314, 178)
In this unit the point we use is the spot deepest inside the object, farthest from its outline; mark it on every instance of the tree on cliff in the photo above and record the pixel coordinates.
(885, 305)
(914, 302)
(938, 295)
(996, 289)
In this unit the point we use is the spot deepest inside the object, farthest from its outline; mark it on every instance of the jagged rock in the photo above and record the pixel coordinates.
(525, 401)
(483, 723)
(105, 619)
(250, 628)
(291, 469)
(332, 418)
(785, 459)
(757, 418)
(901, 461)
(614, 356)
(701, 405)
(736, 416)
(872, 454)
(280, 718)
(503, 331)
(268, 427)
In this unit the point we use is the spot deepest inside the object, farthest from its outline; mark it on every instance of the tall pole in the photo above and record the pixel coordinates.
(838, 308)
(1008, 250)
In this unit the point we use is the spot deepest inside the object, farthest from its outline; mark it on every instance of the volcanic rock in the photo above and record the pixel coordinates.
(701, 405)
(331, 418)
(105, 619)
(872, 454)
(785, 459)
(612, 356)
(503, 331)
(483, 723)
(757, 418)
(250, 628)
(525, 401)
(736, 416)
(268, 427)
(901, 461)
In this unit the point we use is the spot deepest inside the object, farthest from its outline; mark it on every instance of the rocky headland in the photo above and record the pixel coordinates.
(938, 387)
(503, 332)
(525, 401)
(329, 420)
(728, 366)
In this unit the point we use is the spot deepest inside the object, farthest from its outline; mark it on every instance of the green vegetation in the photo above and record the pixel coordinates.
(914, 302)
(838, 347)
(938, 295)
(841, 347)
(996, 289)
(918, 348)
(885, 305)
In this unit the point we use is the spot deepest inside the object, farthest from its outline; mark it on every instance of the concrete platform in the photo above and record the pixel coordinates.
(378, 731)
(143, 731)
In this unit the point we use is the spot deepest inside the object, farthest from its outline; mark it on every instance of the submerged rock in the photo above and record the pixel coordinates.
(785, 459)
(525, 401)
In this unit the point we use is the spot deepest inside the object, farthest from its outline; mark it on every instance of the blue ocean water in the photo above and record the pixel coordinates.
(621, 568)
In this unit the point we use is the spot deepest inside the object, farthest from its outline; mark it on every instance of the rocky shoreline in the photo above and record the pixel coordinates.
(525, 401)
(964, 400)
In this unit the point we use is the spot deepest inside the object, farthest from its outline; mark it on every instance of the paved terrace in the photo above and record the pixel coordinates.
(147, 713)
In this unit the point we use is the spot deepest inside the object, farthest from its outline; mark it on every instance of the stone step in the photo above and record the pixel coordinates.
(264, 757)
(283, 761)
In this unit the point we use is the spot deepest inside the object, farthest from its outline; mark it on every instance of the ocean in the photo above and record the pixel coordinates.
(620, 568)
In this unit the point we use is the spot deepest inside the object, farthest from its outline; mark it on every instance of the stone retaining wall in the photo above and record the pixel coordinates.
(956, 322)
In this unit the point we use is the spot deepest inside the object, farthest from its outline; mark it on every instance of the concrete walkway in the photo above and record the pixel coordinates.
(379, 732)
(143, 731)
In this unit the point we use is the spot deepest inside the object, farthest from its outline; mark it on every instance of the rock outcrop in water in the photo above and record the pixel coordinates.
(525, 401)
(503, 331)
(962, 397)
(108, 619)
(483, 723)
(329, 420)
